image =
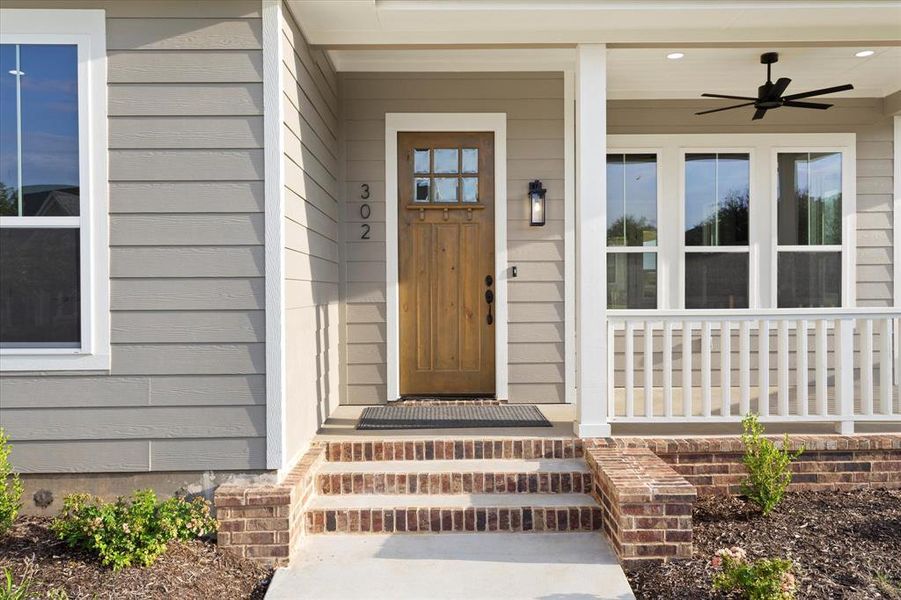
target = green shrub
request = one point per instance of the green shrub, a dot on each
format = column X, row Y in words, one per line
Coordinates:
column 130, row 531
column 768, row 472
column 763, row 579
column 10, row 487
column 9, row 590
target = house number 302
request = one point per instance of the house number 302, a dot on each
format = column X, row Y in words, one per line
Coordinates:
column 365, row 211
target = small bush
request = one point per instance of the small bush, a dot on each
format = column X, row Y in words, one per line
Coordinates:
column 10, row 487
column 130, row 531
column 768, row 473
column 764, row 579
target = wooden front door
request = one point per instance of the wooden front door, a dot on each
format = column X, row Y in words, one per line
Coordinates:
column 446, row 272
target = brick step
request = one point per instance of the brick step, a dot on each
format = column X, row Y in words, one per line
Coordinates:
column 488, row 476
column 462, row 448
column 452, row 513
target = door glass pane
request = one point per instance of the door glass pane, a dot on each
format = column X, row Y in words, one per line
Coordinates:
column 470, row 160
column 632, row 280
column 40, row 303
column 631, row 200
column 809, row 279
column 810, row 198
column 421, row 189
column 446, row 160
column 445, row 189
column 39, row 88
column 470, row 189
column 421, row 161
column 716, row 280
column 717, row 194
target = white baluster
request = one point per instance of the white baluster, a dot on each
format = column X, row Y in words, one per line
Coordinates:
column 744, row 367
column 821, row 374
column 885, row 366
column 801, row 369
column 763, row 368
column 668, row 368
column 648, row 369
column 866, row 367
column 726, row 367
column 630, row 374
column 844, row 375
column 782, row 368
column 705, row 368
column 611, row 354
column 686, row 368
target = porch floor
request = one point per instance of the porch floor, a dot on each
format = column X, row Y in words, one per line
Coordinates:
column 496, row 565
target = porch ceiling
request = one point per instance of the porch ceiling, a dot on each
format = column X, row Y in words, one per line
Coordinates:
column 394, row 22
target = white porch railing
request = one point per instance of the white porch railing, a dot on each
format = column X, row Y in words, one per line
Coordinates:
column 827, row 365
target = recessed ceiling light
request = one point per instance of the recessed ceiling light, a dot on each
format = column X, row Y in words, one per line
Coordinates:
column 864, row 53
column 675, row 55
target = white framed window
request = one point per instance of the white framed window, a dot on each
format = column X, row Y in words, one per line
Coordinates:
column 54, row 256
column 633, row 192
column 750, row 220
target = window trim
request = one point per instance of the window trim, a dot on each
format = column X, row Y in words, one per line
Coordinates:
column 87, row 30
column 763, row 244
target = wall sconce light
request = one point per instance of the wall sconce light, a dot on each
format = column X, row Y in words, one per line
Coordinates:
column 536, row 203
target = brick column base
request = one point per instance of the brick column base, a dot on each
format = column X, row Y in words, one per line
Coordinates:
column 264, row 521
column 646, row 505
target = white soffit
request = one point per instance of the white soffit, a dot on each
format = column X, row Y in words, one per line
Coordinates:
column 379, row 22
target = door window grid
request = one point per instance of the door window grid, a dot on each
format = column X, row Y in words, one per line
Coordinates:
column 446, row 175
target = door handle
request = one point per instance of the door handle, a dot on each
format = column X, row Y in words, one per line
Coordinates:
column 489, row 299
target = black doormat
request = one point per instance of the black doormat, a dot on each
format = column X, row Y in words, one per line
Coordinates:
column 455, row 416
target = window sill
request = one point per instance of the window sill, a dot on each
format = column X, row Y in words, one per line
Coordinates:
column 11, row 363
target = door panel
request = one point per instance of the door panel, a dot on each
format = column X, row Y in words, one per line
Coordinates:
column 446, row 251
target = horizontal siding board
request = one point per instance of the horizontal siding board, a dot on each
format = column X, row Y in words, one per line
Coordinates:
column 308, row 241
column 81, row 456
column 201, row 66
column 514, row 107
column 187, row 294
column 178, row 34
column 208, row 454
column 71, row 391
column 303, row 294
column 174, row 99
column 181, row 230
column 185, row 165
column 203, row 390
column 185, row 132
column 321, row 72
column 136, row 423
column 180, row 261
column 186, row 197
column 188, row 359
column 135, row 327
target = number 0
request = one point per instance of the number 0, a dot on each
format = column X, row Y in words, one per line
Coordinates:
column 365, row 211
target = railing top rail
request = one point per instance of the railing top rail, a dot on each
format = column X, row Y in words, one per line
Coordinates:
column 744, row 314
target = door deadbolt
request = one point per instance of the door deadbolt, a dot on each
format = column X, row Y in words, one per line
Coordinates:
column 489, row 280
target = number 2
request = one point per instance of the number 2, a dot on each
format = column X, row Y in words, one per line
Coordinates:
column 365, row 231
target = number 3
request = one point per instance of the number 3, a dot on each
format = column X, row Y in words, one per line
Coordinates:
column 364, row 193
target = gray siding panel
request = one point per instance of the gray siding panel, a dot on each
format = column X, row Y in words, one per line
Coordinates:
column 186, row 390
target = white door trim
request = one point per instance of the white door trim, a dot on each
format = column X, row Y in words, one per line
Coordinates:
column 494, row 122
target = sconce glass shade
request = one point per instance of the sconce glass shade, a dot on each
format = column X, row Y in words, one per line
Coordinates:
column 536, row 204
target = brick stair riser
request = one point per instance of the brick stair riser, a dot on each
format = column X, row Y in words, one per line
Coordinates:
column 452, row 450
column 454, row 520
column 453, row 483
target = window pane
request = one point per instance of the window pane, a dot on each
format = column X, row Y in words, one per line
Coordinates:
column 9, row 165
column 717, row 193
column 49, row 116
column 470, row 189
column 716, row 280
column 40, row 302
column 445, row 189
column 809, row 279
column 810, row 198
column 421, row 189
column 632, row 280
column 446, row 160
column 421, row 161
column 631, row 200
column 470, row 160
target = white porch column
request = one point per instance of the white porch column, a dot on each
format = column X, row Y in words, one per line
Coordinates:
column 591, row 252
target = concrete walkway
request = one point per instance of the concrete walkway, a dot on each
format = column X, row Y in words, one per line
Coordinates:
column 553, row 566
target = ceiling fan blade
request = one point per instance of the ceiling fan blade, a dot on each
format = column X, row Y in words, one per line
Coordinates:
column 831, row 90
column 779, row 87
column 728, row 97
column 758, row 114
column 707, row 112
column 796, row 104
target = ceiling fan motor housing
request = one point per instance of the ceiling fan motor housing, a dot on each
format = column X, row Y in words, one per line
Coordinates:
column 768, row 58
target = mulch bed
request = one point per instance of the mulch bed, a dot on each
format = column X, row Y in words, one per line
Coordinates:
column 844, row 545
column 186, row 570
